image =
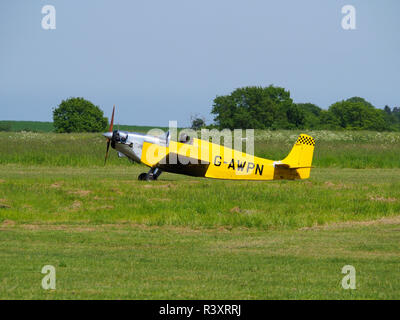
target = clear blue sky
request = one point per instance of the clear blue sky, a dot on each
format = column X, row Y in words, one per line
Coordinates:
column 161, row 60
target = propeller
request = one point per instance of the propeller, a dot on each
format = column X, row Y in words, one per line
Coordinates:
column 108, row 136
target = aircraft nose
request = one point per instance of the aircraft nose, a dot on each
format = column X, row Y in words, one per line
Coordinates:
column 108, row 135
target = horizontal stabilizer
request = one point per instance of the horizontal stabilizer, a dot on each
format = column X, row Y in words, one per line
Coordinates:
column 288, row 166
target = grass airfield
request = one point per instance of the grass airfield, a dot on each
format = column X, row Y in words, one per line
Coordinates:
column 123, row 261
column 113, row 237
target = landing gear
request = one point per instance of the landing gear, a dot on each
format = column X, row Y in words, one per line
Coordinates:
column 142, row 176
column 152, row 175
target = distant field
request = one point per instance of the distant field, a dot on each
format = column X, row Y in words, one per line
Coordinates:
column 42, row 126
column 333, row 149
column 34, row 126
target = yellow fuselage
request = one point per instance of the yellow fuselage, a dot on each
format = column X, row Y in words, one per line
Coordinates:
column 206, row 159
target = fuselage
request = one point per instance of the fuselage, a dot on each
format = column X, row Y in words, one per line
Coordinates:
column 130, row 144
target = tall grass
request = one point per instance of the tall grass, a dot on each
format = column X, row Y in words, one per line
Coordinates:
column 342, row 149
column 333, row 149
column 113, row 195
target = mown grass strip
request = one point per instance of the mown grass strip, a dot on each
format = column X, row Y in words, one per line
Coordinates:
column 133, row 262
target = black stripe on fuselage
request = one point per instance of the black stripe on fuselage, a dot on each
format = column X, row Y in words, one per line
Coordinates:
column 191, row 167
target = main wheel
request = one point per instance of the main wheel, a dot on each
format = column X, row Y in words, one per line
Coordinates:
column 150, row 177
column 142, row 176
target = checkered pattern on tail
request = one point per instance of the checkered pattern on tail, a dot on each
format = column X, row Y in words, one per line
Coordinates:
column 307, row 140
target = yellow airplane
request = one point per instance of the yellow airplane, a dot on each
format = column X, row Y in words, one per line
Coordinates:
column 200, row 158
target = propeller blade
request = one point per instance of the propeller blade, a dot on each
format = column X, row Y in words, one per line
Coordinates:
column 112, row 120
column 109, row 130
column 108, row 147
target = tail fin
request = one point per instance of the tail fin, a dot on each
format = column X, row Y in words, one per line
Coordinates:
column 300, row 157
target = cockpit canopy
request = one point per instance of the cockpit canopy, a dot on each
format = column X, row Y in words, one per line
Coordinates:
column 120, row 136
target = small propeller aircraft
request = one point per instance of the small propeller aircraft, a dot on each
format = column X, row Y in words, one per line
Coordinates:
column 200, row 158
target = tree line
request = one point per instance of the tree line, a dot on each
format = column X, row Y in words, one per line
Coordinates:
column 251, row 108
column 272, row 108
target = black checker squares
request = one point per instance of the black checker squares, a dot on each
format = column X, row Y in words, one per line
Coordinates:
column 307, row 140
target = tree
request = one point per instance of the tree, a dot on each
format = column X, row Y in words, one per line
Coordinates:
column 392, row 118
column 358, row 115
column 78, row 115
column 328, row 121
column 257, row 108
column 361, row 100
column 197, row 122
column 388, row 110
column 396, row 113
column 5, row 126
column 272, row 108
column 312, row 115
column 296, row 117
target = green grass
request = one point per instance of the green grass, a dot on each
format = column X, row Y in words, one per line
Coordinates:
column 133, row 262
column 333, row 149
column 34, row 126
column 140, row 129
column 113, row 194
column 112, row 236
